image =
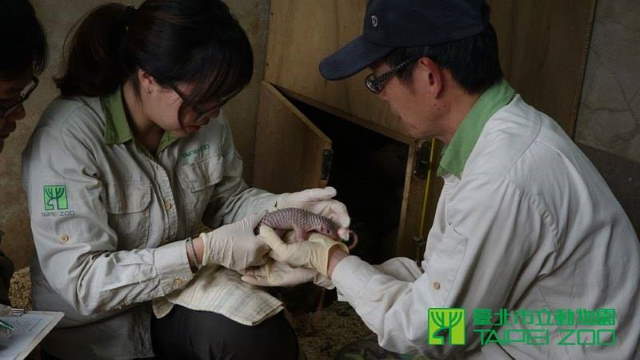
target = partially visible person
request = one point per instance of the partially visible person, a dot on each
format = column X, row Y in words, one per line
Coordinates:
column 23, row 58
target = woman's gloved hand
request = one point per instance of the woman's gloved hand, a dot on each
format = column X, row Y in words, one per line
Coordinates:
column 235, row 246
column 321, row 202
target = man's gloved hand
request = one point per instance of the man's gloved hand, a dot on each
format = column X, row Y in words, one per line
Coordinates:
column 321, row 202
column 235, row 246
column 313, row 253
column 276, row 273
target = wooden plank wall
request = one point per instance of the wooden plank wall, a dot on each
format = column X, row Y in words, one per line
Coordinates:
column 288, row 146
column 301, row 34
column 543, row 50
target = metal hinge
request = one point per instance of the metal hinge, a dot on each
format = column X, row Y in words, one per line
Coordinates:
column 420, row 241
column 421, row 169
column 327, row 159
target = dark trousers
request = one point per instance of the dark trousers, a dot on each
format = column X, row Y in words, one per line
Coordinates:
column 187, row 334
column 200, row 335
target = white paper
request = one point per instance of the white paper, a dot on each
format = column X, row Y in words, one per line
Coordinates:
column 30, row 329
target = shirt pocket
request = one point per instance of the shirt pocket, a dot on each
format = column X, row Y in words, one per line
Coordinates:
column 446, row 254
column 199, row 180
column 129, row 214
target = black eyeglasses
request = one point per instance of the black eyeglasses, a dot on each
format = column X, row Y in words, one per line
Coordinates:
column 6, row 110
column 376, row 84
column 201, row 112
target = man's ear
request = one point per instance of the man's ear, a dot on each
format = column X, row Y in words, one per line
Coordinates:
column 431, row 76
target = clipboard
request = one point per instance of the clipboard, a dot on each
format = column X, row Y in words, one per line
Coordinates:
column 30, row 329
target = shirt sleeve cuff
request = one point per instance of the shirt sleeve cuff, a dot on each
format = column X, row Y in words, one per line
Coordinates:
column 351, row 276
column 172, row 265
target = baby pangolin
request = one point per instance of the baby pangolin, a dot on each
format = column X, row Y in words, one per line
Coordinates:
column 303, row 222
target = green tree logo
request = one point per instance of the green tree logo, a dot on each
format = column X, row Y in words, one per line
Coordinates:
column 446, row 326
column 55, row 197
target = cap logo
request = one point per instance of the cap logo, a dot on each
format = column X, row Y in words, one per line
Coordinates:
column 374, row 21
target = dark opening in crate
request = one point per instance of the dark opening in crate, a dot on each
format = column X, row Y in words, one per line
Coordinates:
column 368, row 169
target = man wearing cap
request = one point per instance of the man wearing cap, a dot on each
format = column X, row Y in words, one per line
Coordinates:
column 524, row 222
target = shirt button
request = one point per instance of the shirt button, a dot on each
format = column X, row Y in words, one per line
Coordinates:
column 436, row 285
column 64, row 238
column 178, row 282
column 168, row 205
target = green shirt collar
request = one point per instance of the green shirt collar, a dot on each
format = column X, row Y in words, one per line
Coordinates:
column 117, row 129
column 167, row 139
column 465, row 138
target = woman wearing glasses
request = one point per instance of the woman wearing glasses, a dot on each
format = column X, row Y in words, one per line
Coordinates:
column 122, row 172
column 23, row 57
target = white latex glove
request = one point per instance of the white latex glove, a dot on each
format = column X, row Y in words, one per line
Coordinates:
column 235, row 246
column 313, row 253
column 276, row 273
column 321, row 202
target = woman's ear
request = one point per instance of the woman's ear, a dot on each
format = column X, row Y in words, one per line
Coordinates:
column 147, row 82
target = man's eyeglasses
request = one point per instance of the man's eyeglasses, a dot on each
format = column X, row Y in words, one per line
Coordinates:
column 376, row 84
column 6, row 110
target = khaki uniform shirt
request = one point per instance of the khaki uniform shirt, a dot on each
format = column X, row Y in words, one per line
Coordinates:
column 109, row 220
column 524, row 224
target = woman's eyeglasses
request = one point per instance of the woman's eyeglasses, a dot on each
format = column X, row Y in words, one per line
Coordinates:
column 199, row 111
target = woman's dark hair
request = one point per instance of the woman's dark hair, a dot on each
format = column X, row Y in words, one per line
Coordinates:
column 24, row 46
column 474, row 62
column 197, row 42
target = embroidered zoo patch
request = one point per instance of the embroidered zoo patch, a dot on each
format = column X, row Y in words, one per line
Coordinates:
column 55, row 197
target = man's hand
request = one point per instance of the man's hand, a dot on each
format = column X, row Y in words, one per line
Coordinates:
column 276, row 273
column 313, row 253
column 321, row 202
column 234, row 246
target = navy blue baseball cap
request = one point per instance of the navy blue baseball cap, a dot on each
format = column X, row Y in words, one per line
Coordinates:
column 392, row 24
